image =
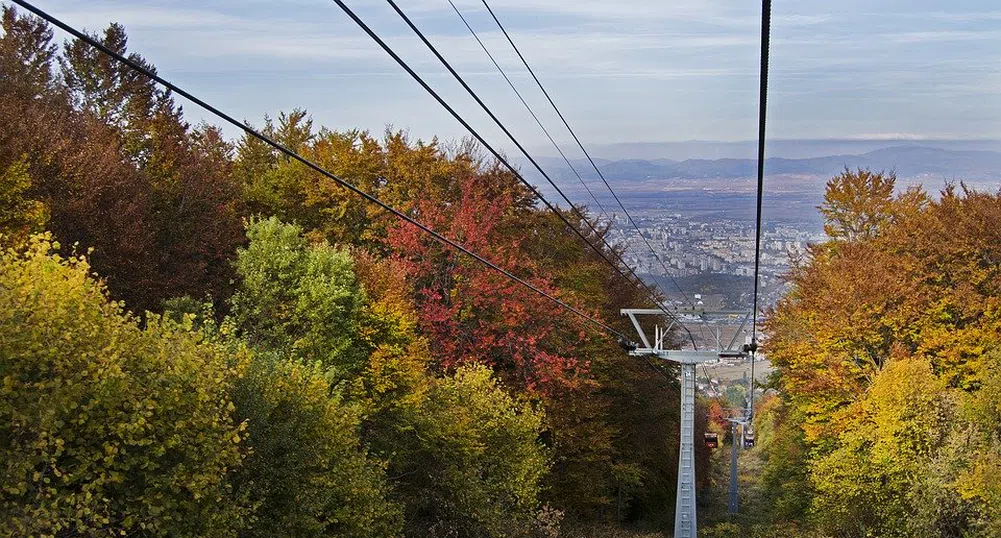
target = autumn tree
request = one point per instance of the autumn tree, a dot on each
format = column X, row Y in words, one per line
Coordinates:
column 785, row 479
column 477, row 315
column 119, row 169
column 111, row 429
column 28, row 54
column 857, row 203
column 888, row 328
column 863, row 486
column 186, row 171
column 395, row 169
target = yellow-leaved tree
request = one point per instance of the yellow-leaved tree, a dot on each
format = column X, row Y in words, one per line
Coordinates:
column 883, row 347
column 110, row 428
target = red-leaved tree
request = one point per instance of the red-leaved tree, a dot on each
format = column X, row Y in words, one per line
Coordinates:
column 474, row 314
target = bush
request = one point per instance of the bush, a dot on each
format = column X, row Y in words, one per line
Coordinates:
column 476, row 471
column 114, row 429
column 306, row 471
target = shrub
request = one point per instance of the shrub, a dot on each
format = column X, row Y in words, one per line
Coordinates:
column 113, row 429
column 478, row 466
column 306, row 472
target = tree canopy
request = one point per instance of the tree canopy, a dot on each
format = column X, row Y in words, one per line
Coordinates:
column 887, row 352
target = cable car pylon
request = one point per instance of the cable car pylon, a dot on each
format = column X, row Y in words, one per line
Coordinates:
column 734, row 496
column 685, row 513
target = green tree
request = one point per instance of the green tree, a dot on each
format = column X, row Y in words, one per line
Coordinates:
column 298, row 299
column 306, row 471
column 476, row 468
column 112, row 429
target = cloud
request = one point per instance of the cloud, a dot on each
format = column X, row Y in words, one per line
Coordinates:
column 625, row 68
column 709, row 11
column 202, row 35
column 891, row 136
column 99, row 14
column 940, row 36
column 963, row 17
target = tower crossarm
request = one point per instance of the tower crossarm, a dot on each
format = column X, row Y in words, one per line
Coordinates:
column 655, row 345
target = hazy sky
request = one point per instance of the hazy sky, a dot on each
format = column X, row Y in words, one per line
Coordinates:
column 622, row 70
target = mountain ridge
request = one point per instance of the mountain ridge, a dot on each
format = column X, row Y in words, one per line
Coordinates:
column 906, row 161
column 776, row 147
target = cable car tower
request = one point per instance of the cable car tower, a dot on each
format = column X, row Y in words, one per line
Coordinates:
column 685, row 522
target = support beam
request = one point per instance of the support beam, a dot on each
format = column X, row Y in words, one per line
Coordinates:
column 743, row 321
column 683, row 356
column 734, row 500
column 685, row 517
column 640, row 331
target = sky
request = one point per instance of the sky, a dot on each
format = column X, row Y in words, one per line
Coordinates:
column 622, row 71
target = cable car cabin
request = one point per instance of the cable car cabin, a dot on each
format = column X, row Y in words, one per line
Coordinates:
column 712, row 440
column 749, row 440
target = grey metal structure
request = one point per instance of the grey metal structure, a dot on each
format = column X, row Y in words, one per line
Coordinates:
column 685, row 514
column 737, row 424
column 734, row 499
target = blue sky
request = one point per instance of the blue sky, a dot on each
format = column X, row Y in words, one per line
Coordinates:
column 623, row 71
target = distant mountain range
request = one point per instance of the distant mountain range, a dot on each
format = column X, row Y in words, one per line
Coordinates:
column 785, row 148
column 910, row 161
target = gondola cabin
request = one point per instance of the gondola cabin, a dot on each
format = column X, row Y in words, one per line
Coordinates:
column 749, row 440
column 712, row 440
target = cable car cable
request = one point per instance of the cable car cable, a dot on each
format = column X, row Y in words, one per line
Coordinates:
column 448, row 66
column 315, row 167
column 587, row 154
column 483, row 105
column 529, row 108
column 766, row 15
column 368, row 30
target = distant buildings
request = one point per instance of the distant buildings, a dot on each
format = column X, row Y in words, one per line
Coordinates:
column 699, row 246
